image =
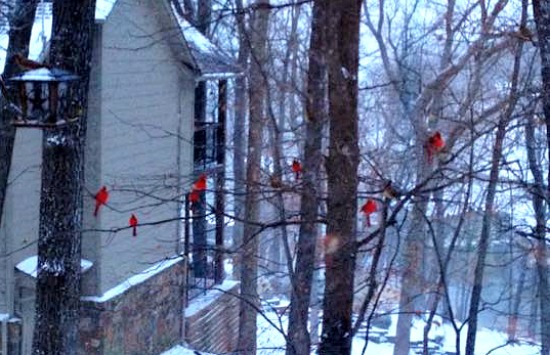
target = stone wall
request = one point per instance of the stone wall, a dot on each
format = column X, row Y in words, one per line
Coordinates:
column 145, row 319
column 212, row 320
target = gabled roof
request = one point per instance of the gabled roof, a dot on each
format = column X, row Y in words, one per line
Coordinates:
column 208, row 60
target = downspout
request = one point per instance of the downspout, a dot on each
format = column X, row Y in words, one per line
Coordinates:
column 180, row 238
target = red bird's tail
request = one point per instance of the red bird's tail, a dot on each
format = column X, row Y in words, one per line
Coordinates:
column 296, row 168
column 101, row 198
column 133, row 223
column 194, row 196
column 429, row 154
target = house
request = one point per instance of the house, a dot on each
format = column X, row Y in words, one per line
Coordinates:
column 141, row 127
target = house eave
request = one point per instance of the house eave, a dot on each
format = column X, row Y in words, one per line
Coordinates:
column 218, row 76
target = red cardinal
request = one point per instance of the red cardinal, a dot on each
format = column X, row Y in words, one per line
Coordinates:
column 434, row 145
column 27, row 64
column 133, row 221
column 194, row 196
column 369, row 208
column 101, row 198
column 296, row 168
column 200, row 184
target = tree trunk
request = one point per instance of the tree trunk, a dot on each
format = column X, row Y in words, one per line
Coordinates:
column 59, row 242
column 541, row 11
column 488, row 212
column 239, row 139
column 19, row 37
column 342, row 63
column 200, row 239
column 249, row 267
column 298, row 335
column 541, row 250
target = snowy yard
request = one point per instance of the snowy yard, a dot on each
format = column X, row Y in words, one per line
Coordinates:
column 271, row 341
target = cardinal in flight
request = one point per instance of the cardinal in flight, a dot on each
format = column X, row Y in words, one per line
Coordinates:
column 434, row 145
column 101, row 198
column 369, row 208
column 133, row 222
column 296, row 168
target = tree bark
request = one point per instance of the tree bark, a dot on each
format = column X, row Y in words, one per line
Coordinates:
column 19, row 37
column 239, row 137
column 200, row 239
column 541, row 11
column 342, row 63
column 298, row 335
column 249, row 267
column 59, row 242
column 488, row 212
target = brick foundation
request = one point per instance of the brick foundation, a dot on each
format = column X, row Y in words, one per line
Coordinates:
column 14, row 336
column 214, row 327
column 146, row 319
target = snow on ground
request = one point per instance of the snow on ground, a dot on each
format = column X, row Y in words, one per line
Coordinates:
column 272, row 342
column 180, row 350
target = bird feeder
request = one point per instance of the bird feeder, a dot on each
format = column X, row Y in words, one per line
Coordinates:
column 45, row 98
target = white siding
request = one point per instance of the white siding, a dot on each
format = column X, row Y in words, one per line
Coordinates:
column 145, row 91
column 19, row 229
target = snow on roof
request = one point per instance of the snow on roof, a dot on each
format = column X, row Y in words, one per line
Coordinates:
column 202, row 302
column 29, row 265
column 210, row 60
column 45, row 74
column 180, row 350
column 133, row 281
column 103, row 8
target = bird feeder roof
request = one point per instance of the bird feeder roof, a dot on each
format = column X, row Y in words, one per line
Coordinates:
column 45, row 75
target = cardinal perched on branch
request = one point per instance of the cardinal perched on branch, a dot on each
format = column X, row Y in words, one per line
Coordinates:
column 434, row 145
column 369, row 208
column 28, row 64
column 200, row 184
column 296, row 168
column 133, row 222
column 101, row 198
